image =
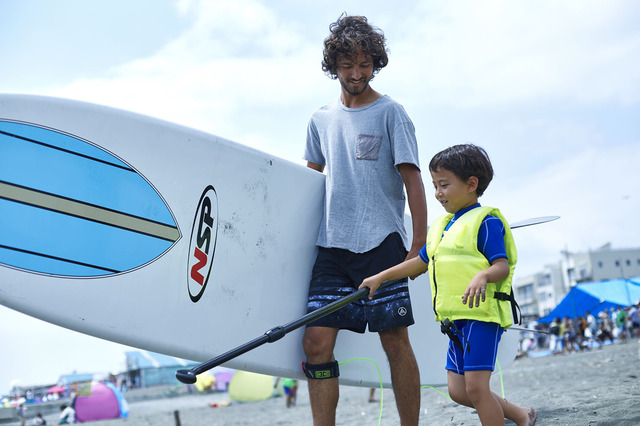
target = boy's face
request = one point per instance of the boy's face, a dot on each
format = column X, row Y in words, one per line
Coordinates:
column 452, row 192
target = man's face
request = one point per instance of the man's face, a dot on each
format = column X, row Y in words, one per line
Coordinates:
column 354, row 75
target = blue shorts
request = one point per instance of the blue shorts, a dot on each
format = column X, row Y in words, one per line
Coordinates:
column 483, row 338
column 338, row 273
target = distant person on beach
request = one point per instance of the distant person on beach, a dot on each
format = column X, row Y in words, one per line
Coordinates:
column 470, row 254
column 621, row 322
column 67, row 416
column 605, row 328
column 570, row 335
column 39, row 420
column 290, row 387
column 556, row 343
column 635, row 320
column 367, row 144
column 21, row 411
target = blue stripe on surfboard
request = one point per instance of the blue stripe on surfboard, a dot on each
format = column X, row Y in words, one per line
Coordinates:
column 50, row 264
column 59, row 140
column 77, row 170
column 48, row 242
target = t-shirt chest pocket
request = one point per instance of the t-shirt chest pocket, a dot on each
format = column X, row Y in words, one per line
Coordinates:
column 368, row 147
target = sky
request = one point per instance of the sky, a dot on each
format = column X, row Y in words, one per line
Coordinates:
column 551, row 89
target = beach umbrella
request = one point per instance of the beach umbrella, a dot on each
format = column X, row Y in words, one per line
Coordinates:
column 56, row 389
column 103, row 401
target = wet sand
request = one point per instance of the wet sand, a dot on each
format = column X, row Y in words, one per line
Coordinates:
column 596, row 387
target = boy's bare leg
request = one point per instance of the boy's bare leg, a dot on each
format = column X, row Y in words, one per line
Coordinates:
column 459, row 392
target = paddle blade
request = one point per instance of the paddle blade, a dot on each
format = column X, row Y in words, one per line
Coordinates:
column 533, row 221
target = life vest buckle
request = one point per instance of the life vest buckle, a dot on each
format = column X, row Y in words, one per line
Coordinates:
column 449, row 328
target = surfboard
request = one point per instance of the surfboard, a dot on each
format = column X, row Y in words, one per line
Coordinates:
column 173, row 240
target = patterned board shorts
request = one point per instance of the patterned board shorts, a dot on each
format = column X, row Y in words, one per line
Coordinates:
column 338, row 273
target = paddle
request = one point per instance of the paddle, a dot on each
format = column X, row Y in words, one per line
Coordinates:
column 277, row 333
column 533, row 221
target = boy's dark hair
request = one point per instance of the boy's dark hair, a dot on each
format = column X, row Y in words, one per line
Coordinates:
column 348, row 35
column 465, row 161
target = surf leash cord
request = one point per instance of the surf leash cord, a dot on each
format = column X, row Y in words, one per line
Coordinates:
column 274, row 334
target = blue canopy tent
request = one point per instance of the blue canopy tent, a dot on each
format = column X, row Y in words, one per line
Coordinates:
column 595, row 297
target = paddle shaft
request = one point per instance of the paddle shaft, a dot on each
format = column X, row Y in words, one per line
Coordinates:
column 276, row 333
column 529, row 329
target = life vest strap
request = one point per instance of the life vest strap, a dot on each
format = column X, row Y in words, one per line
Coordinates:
column 447, row 327
column 514, row 305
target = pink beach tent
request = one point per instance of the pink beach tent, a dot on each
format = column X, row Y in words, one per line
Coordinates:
column 104, row 402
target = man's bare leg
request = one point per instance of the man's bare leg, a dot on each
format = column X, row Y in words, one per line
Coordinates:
column 405, row 377
column 318, row 343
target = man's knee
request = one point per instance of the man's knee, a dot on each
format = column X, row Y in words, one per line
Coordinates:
column 318, row 344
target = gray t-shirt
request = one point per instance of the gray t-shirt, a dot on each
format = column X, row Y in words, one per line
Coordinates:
column 361, row 149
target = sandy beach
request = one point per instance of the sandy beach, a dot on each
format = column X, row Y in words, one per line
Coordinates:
column 596, row 387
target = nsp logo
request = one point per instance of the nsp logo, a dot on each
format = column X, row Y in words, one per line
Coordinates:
column 202, row 247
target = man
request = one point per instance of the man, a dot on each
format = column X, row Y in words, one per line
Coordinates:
column 366, row 142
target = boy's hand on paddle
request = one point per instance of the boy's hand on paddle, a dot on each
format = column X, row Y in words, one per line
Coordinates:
column 372, row 283
column 475, row 290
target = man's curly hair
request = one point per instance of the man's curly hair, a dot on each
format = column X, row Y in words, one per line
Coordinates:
column 348, row 35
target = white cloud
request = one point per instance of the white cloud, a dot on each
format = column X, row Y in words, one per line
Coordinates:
column 495, row 52
column 236, row 63
column 595, row 193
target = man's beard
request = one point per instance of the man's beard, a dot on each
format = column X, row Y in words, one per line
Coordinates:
column 355, row 92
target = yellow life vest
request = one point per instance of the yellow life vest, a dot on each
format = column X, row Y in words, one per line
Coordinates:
column 454, row 259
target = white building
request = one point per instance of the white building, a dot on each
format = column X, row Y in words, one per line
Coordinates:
column 602, row 264
column 539, row 293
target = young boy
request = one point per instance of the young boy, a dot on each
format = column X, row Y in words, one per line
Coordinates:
column 470, row 255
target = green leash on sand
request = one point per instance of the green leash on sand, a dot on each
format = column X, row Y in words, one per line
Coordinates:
column 379, row 376
column 501, row 381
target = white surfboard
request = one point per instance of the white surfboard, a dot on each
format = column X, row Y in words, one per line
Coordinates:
column 169, row 239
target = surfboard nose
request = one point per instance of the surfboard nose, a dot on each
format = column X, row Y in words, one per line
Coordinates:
column 71, row 208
